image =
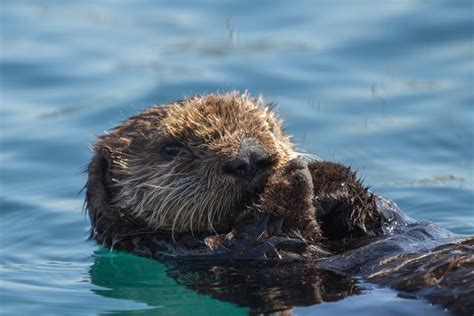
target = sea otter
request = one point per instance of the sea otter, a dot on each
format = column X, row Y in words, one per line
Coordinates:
column 216, row 177
column 207, row 164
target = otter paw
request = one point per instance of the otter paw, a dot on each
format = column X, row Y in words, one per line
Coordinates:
column 294, row 164
column 297, row 174
column 289, row 192
column 289, row 196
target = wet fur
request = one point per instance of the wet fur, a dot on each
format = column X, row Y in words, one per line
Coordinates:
column 131, row 191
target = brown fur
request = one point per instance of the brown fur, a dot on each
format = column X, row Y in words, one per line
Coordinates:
column 344, row 205
column 133, row 187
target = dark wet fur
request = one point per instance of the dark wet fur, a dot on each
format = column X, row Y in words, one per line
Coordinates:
column 345, row 207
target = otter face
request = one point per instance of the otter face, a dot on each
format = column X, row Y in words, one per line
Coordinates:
column 191, row 165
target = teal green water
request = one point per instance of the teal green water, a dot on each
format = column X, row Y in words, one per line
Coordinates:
column 385, row 86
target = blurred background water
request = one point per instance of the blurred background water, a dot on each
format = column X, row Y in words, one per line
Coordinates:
column 384, row 86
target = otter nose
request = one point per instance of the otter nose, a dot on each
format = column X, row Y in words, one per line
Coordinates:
column 250, row 160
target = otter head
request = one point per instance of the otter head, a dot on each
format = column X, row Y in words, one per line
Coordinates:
column 187, row 166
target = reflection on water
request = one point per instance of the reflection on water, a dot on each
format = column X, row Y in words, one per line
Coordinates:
column 122, row 276
column 142, row 280
column 383, row 86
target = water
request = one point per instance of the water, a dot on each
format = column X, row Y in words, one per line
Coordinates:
column 383, row 86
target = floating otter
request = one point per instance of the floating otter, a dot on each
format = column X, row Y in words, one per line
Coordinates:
column 206, row 163
column 216, row 177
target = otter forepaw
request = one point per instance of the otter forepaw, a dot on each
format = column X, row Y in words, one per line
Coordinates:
column 298, row 176
column 289, row 195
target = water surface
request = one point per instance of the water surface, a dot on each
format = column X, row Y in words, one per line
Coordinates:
column 384, row 86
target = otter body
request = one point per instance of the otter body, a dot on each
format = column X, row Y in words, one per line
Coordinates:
column 216, row 177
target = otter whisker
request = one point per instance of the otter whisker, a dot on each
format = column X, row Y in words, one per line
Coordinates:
column 193, row 210
column 180, row 196
column 210, row 215
column 215, row 211
column 208, row 206
column 223, row 210
column 159, row 215
column 209, row 211
column 181, row 208
column 153, row 186
column 199, row 207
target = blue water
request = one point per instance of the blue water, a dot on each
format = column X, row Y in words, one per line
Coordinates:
column 384, row 86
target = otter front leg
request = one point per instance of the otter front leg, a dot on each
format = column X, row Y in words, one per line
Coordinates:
column 344, row 206
column 288, row 195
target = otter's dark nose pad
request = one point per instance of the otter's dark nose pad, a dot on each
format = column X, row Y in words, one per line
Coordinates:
column 250, row 160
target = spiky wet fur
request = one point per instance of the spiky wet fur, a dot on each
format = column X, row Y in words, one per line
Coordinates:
column 191, row 192
column 133, row 188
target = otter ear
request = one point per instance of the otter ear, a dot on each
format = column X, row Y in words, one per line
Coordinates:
column 97, row 187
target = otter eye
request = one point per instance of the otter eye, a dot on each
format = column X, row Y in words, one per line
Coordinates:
column 171, row 151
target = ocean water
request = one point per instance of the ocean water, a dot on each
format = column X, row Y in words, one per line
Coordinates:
column 384, row 86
